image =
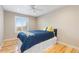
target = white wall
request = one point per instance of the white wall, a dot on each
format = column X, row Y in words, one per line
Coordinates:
column 9, row 24
column 66, row 20
column 1, row 25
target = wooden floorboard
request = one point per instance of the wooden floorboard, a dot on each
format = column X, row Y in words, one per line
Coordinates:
column 9, row 46
column 60, row 48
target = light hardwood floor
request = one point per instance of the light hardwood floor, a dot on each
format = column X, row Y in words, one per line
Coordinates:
column 9, row 46
column 60, row 48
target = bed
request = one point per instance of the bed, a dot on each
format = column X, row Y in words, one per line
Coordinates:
column 37, row 40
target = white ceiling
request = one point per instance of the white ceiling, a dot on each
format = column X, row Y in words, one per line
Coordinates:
column 26, row 9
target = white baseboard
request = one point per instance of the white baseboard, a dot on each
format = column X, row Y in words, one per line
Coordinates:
column 72, row 46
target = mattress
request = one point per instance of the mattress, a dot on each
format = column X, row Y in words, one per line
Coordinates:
column 39, row 48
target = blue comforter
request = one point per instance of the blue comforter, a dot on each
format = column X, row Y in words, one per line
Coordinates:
column 31, row 40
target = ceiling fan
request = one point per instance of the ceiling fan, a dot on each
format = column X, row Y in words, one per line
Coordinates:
column 35, row 9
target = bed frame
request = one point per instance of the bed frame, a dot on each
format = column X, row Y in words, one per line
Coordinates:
column 55, row 31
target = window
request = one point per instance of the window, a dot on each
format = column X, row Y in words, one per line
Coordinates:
column 21, row 24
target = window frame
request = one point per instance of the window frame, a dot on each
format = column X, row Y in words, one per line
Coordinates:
column 27, row 25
